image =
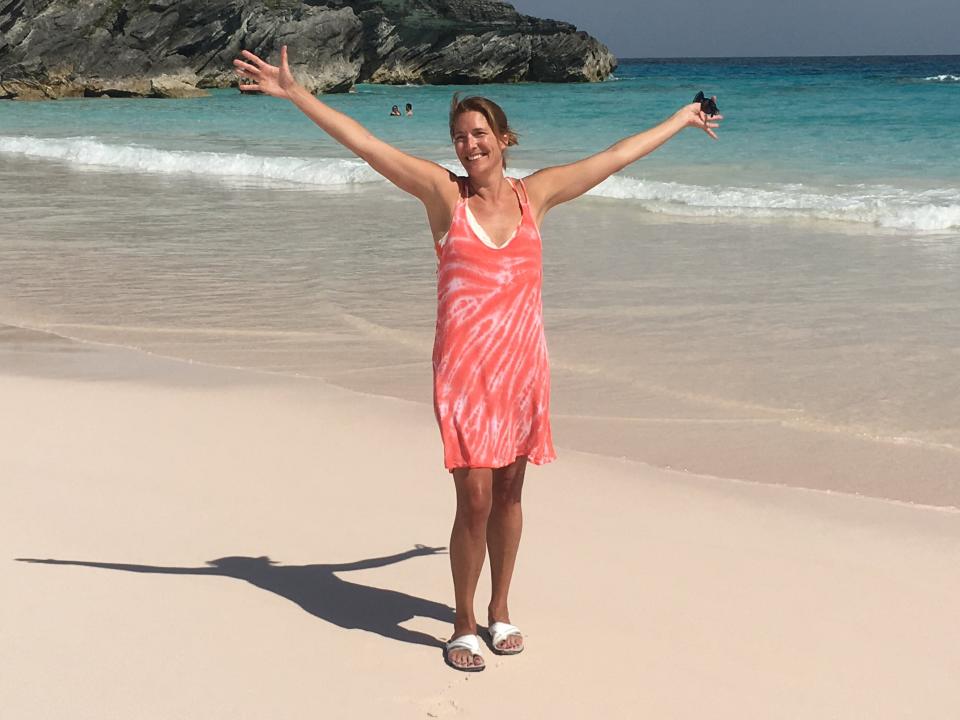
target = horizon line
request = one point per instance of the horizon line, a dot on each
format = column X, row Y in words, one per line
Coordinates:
column 781, row 57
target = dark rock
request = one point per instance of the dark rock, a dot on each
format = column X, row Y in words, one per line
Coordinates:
column 170, row 48
column 476, row 41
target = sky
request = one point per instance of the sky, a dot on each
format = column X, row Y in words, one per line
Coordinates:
column 742, row 28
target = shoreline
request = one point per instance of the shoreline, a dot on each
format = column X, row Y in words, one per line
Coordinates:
column 567, row 424
column 144, row 489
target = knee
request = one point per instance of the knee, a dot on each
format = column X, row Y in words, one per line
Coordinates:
column 508, row 486
column 507, row 494
column 474, row 502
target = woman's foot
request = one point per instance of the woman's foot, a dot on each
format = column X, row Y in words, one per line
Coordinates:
column 508, row 641
column 463, row 653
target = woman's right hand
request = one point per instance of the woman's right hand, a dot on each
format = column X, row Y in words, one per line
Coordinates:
column 267, row 78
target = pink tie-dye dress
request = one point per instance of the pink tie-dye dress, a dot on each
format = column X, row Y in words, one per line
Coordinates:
column 491, row 377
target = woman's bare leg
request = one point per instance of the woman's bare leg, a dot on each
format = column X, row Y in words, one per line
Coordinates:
column 468, row 547
column 503, row 540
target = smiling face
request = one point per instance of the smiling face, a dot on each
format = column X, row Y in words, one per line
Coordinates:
column 478, row 148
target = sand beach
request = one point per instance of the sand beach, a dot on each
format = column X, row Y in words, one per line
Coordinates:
column 196, row 542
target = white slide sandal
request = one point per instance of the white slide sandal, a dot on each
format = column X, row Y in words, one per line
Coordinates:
column 470, row 643
column 500, row 631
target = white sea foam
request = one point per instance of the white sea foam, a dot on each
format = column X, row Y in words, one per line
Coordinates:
column 943, row 78
column 876, row 205
column 87, row 151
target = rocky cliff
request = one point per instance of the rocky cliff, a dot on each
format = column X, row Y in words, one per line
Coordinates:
column 171, row 48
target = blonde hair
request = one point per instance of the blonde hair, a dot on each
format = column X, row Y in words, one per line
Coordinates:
column 494, row 114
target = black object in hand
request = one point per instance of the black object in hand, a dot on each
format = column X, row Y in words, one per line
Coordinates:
column 707, row 105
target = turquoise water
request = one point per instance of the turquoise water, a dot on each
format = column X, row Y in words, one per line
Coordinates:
column 782, row 305
column 871, row 141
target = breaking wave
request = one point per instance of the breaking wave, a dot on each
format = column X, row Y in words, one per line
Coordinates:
column 877, row 205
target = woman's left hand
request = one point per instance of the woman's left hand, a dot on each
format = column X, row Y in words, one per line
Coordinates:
column 693, row 116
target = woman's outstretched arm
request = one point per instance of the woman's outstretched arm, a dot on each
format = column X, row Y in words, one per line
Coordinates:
column 554, row 185
column 424, row 179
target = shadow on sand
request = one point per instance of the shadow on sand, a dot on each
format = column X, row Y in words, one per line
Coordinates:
column 318, row 590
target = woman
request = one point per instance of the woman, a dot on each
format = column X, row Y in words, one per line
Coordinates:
column 491, row 379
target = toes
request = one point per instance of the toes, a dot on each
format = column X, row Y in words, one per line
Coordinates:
column 463, row 658
column 510, row 643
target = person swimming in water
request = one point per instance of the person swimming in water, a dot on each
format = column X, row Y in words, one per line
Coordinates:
column 490, row 369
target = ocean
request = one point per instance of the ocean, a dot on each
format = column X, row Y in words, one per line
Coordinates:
column 782, row 305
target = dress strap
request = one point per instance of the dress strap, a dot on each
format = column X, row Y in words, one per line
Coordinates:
column 521, row 190
column 463, row 189
column 528, row 212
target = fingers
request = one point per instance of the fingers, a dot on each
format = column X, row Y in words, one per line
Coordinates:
column 707, row 123
column 283, row 58
column 245, row 69
column 252, row 58
column 249, row 87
